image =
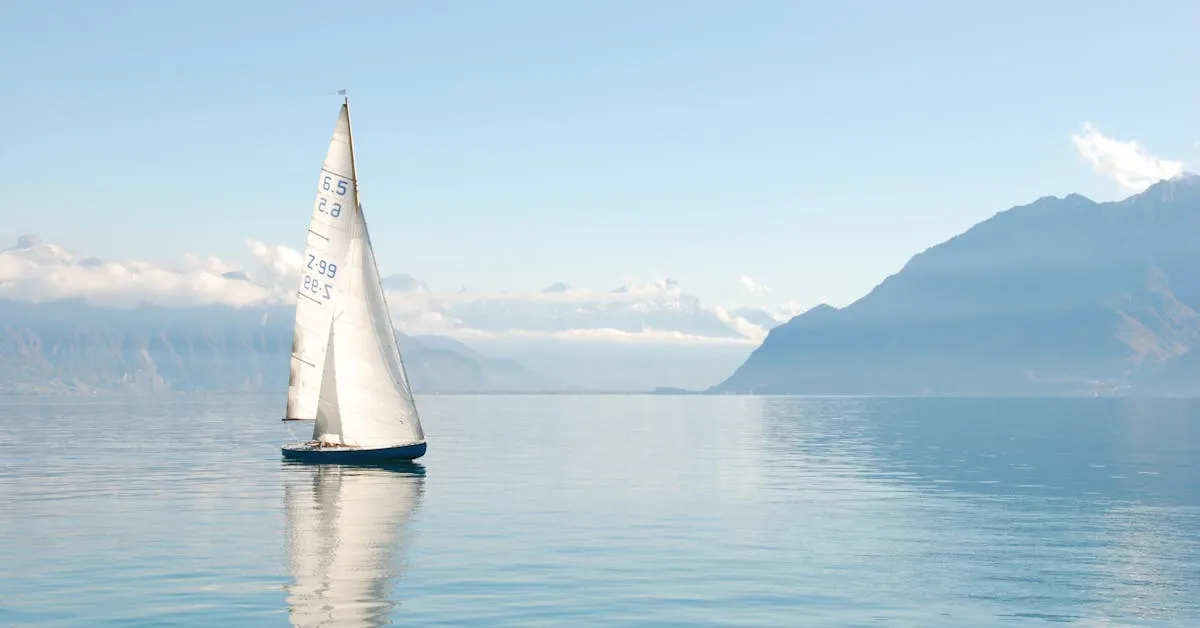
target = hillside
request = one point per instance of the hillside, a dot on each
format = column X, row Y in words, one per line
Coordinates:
column 70, row 346
column 1061, row 296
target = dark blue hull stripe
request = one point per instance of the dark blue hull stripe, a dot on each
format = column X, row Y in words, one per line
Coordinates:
column 350, row 456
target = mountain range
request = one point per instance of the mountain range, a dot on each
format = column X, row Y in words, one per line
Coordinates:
column 1063, row 296
column 76, row 347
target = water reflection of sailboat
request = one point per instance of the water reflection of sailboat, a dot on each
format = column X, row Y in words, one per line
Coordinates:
column 346, row 529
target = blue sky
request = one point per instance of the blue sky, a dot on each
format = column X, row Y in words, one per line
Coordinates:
column 505, row 146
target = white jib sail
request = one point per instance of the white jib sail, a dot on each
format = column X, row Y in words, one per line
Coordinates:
column 363, row 397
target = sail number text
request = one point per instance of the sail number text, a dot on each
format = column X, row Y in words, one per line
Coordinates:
column 317, row 287
column 334, row 210
column 322, row 267
column 328, row 185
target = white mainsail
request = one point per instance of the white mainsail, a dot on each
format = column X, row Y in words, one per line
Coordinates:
column 346, row 527
column 346, row 373
column 328, row 242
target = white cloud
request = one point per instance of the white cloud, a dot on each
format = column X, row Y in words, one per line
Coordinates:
column 655, row 312
column 787, row 311
column 39, row 271
column 752, row 286
column 279, row 262
column 743, row 326
column 1126, row 162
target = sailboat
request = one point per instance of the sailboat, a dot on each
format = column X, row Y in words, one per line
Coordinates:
column 347, row 539
column 347, row 375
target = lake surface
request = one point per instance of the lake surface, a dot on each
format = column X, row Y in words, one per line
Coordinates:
column 606, row 511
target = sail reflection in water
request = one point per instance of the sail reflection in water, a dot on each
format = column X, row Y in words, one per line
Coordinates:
column 346, row 538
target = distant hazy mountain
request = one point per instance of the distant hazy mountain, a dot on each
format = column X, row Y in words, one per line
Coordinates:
column 603, row 365
column 1061, row 296
column 403, row 282
column 73, row 346
column 443, row 364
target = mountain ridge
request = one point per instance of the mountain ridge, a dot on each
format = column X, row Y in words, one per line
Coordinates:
column 72, row 346
column 1063, row 295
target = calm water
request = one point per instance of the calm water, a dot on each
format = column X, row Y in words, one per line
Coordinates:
column 608, row 510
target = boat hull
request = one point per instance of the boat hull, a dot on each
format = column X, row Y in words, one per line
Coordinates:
column 351, row 455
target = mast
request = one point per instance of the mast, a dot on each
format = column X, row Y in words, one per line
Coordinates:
column 350, row 134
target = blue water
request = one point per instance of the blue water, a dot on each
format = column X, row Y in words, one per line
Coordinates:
column 607, row 511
